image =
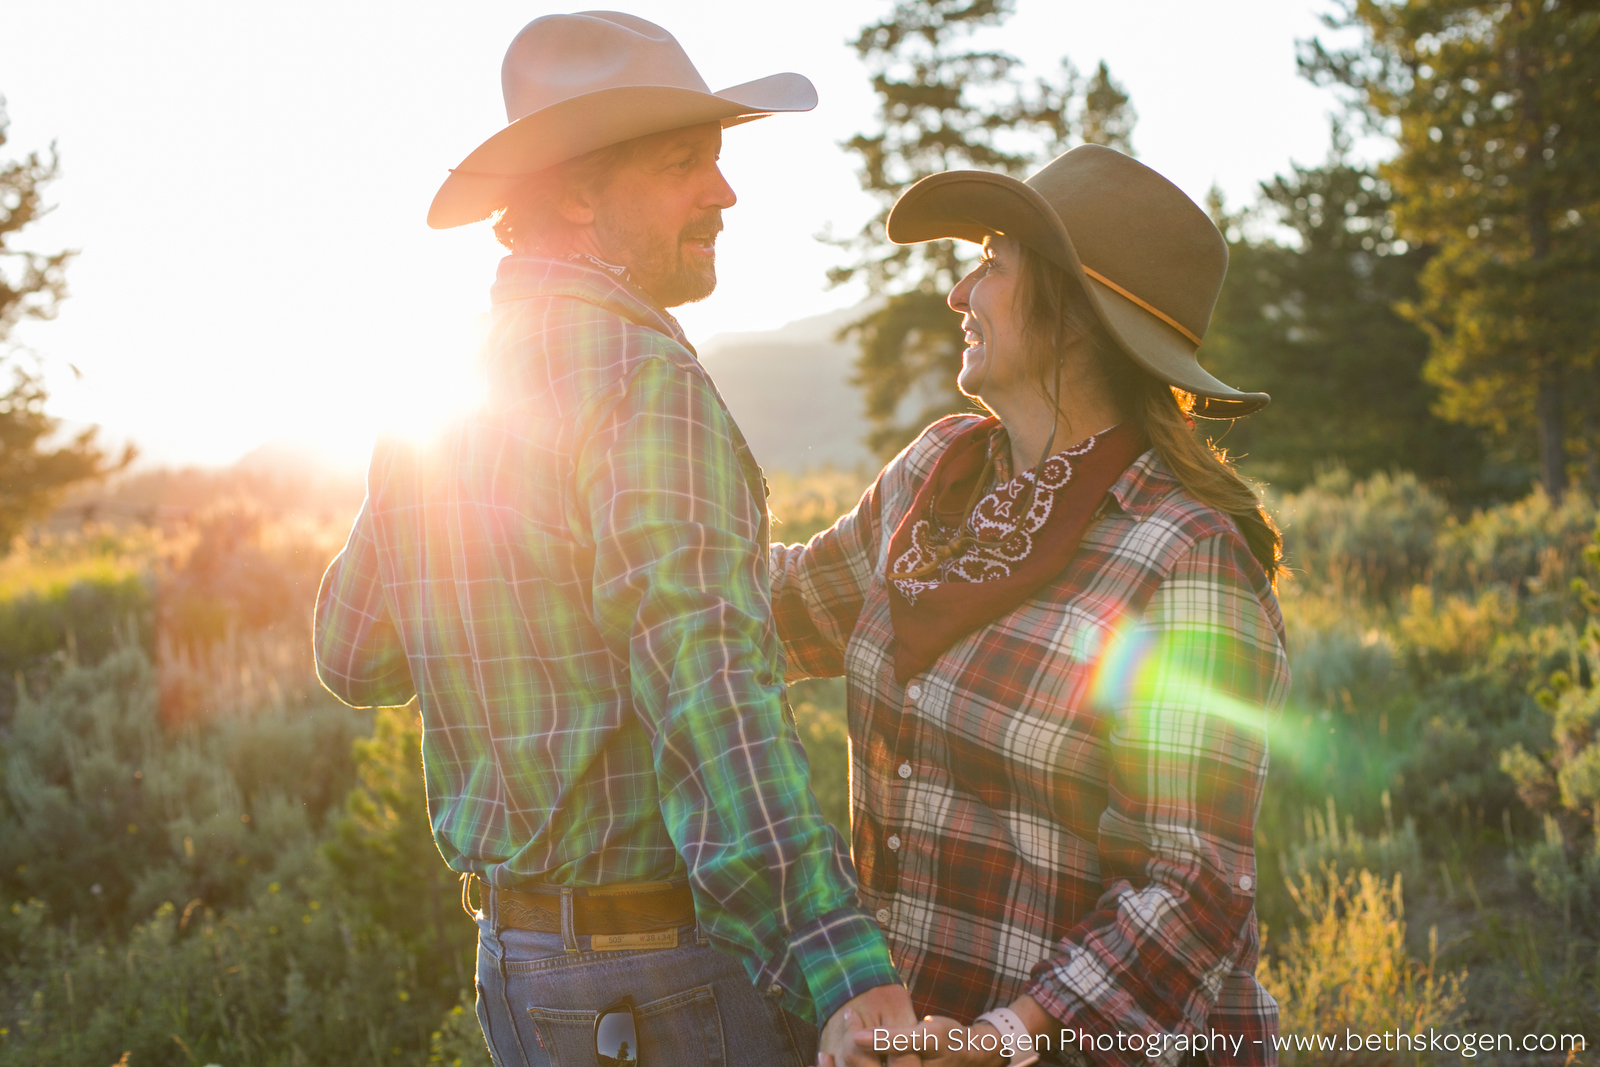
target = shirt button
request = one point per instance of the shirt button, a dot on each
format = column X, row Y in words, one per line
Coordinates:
column 905, row 770
column 914, row 693
column 883, row 915
column 775, row 990
column 893, row 842
column 1245, row 882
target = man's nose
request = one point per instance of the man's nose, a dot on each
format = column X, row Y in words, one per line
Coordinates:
column 718, row 193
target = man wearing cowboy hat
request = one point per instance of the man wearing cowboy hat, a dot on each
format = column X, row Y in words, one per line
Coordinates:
column 573, row 582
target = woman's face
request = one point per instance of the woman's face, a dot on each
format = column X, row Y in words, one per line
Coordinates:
column 994, row 366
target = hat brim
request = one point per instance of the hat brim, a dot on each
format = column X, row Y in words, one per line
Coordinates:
column 971, row 205
column 484, row 181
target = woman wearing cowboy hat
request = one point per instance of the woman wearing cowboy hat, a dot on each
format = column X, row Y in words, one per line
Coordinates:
column 1062, row 643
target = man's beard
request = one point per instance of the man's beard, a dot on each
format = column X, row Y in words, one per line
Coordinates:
column 656, row 261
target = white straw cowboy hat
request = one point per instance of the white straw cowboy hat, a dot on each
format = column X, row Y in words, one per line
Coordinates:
column 1149, row 258
column 576, row 83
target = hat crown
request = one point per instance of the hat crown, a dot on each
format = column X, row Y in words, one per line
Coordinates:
column 559, row 57
column 1138, row 230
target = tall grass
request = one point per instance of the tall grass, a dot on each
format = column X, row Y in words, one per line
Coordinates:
column 1347, row 968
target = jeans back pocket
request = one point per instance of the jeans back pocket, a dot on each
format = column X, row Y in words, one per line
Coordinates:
column 683, row 1030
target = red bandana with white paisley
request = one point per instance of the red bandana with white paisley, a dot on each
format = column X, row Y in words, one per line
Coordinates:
column 1015, row 554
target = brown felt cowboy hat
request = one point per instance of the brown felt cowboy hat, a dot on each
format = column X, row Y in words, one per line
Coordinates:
column 577, row 83
column 1149, row 258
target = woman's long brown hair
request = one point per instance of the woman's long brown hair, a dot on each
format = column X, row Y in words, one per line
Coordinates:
column 1058, row 312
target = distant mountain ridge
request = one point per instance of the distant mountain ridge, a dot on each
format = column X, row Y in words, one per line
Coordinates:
column 789, row 389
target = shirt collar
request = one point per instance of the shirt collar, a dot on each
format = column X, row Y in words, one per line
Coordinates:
column 616, row 270
column 586, row 278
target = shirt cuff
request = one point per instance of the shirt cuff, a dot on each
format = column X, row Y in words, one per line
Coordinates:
column 827, row 962
column 1072, row 1012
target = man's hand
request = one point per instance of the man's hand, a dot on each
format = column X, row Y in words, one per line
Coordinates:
column 882, row 1007
column 934, row 1032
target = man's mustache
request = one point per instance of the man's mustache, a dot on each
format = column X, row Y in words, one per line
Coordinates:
column 703, row 227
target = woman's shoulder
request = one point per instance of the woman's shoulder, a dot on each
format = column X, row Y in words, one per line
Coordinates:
column 1162, row 533
column 936, row 437
column 1177, row 535
column 1168, row 519
column 908, row 470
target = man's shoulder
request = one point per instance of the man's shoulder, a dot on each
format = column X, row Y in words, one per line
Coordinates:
column 643, row 357
column 583, row 348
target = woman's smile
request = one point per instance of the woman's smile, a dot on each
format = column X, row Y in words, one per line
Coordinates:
column 993, row 364
column 974, row 340
column 972, row 356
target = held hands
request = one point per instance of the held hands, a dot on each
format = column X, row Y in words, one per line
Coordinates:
column 934, row 1042
column 944, row 1042
column 882, row 1007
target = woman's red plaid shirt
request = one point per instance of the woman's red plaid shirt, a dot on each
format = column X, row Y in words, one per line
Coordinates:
column 1064, row 803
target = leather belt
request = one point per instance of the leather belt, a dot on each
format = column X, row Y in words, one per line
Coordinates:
column 613, row 909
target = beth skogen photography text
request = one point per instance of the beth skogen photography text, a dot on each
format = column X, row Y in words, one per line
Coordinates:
column 877, row 533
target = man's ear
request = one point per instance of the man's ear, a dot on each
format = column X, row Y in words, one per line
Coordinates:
column 577, row 207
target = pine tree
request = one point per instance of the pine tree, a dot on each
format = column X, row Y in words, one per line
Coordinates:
column 1495, row 106
column 1312, row 321
column 946, row 106
column 32, row 286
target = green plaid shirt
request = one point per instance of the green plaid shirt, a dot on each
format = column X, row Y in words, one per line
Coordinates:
column 573, row 582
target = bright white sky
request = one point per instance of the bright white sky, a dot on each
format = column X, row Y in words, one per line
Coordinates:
column 247, row 182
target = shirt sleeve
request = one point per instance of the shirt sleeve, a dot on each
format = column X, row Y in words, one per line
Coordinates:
column 818, row 589
column 681, row 590
column 358, row 653
column 1190, row 689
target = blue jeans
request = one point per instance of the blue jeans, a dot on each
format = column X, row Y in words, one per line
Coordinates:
column 538, row 995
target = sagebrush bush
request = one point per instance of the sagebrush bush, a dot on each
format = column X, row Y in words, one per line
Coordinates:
column 1369, row 539
column 79, row 610
column 105, row 810
column 382, row 851
column 178, row 790
column 1557, row 769
column 287, row 979
column 230, row 573
column 1529, row 546
column 1349, row 705
column 1564, row 873
column 257, row 886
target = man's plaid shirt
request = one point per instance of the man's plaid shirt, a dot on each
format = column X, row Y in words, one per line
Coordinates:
column 573, row 581
column 1064, row 803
